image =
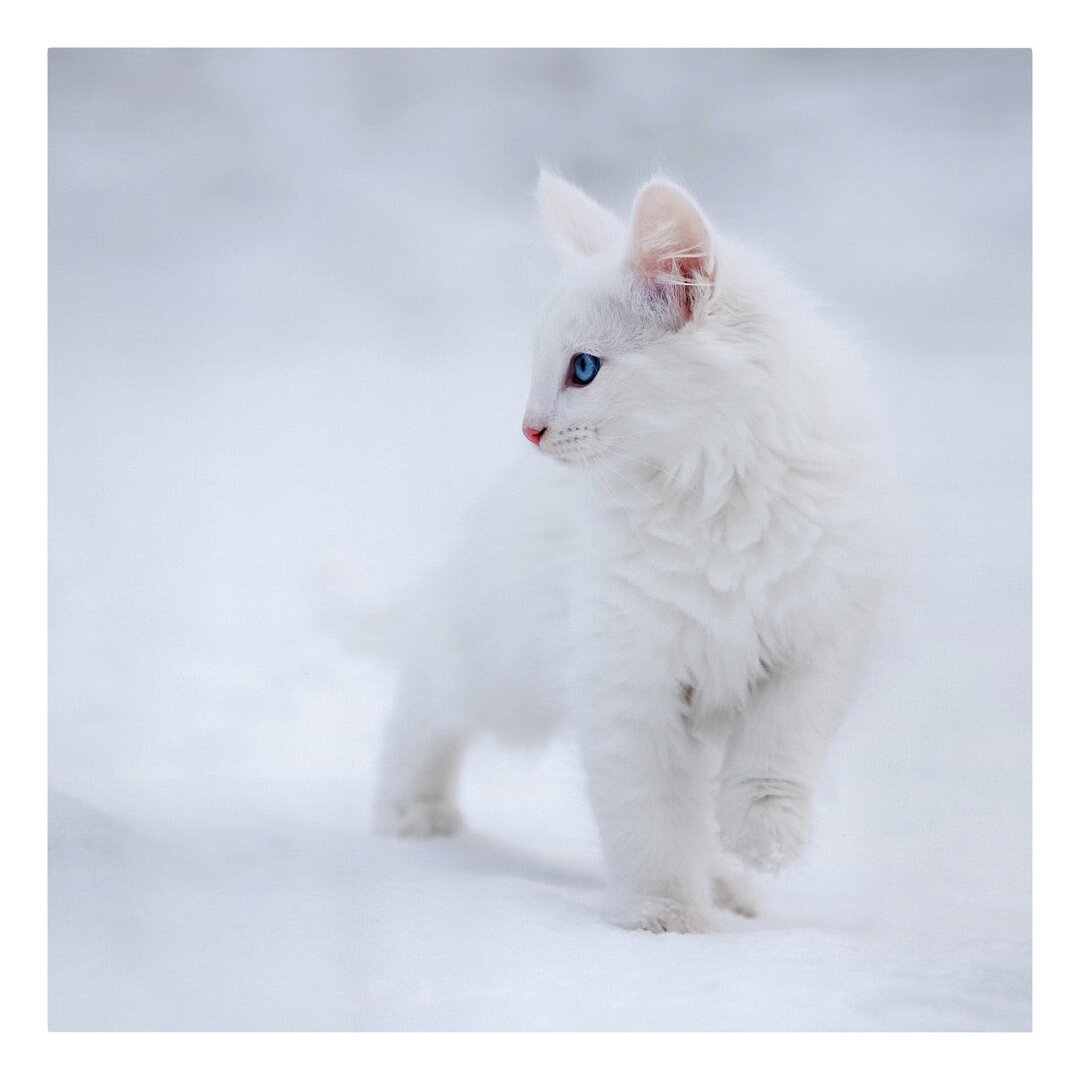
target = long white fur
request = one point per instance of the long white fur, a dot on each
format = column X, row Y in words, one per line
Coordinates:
column 686, row 569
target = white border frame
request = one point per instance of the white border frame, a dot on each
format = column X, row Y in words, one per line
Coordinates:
column 23, row 443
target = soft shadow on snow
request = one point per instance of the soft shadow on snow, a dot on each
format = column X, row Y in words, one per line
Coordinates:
column 278, row 926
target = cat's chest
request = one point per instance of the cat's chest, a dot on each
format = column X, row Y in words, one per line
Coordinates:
column 703, row 608
column 717, row 613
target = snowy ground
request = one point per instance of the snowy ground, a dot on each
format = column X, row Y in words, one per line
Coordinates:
column 290, row 310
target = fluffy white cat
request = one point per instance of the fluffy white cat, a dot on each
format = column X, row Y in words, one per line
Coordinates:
column 686, row 568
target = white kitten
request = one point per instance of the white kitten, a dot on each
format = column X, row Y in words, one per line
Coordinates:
column 686, row 568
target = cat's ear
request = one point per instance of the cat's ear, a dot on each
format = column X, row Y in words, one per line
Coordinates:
column 580, row 224
column 672, row 246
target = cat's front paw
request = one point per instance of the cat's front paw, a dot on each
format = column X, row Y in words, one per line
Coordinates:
column 658, row 915
column 766, row 822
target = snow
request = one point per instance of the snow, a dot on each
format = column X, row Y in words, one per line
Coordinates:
column 291, row 298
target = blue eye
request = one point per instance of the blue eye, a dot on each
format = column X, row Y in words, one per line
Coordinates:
column 583, row 368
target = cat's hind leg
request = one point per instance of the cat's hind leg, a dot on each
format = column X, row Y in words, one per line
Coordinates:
column 417, row 787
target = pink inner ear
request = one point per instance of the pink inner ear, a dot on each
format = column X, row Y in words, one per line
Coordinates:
column 689, row 292
column 679, row 281
column 672, row 243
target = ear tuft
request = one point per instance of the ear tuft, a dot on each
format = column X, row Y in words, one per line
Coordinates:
column 672, row 245
column 580, row 224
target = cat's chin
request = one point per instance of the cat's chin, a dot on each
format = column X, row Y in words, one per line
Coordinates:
column 571, row 461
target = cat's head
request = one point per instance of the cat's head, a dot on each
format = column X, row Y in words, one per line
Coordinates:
column 626, row 363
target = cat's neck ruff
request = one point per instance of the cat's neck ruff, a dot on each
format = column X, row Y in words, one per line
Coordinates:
column 702, row 499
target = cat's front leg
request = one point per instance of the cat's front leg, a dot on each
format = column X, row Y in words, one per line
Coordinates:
column 648, row 779
column 763, row 804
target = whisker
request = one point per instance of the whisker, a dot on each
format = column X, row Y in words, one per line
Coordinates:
column 634, row 434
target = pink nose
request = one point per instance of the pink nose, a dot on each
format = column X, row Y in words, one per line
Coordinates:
column 534, row 434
